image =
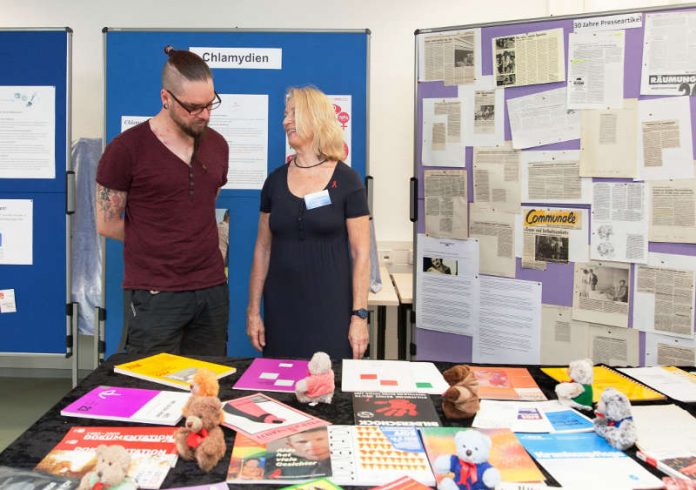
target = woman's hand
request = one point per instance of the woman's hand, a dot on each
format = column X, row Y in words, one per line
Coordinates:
column 256, row 331
column 358, row 336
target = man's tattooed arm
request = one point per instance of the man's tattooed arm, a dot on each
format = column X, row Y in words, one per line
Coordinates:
column 110, row 207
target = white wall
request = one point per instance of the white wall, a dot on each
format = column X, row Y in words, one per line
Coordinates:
column 392, row 23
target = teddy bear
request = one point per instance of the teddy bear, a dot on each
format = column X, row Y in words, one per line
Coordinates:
column 201, row 438
column 578, row 392
column 470, row 465
column 319, row 385
column 614, row 421
column 110, row 471
column 461, row 399
column 205, row 383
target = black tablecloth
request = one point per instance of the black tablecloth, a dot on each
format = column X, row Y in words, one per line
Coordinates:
column 28, row 449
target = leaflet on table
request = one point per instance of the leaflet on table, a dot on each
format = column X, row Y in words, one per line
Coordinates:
column 20, row 479
column 664, row 295
column 170, row 369
column 447, row 290
column 672, row 205
column 392, row 377
column 670, row 380
column 394, row 409
column 669, row 67
column 452, row 57
column 605, row 377
column 608, row 141
column 272, row 375
column 601, row 292
column 507, row 454
column 541, row 119
column 509, row 321
column 445, row 196
column 553, row 177
column 152, row 449
column 347, row 455
column 528, row 59
column 130, row 405
column 586, row 460
column 619, row 222
column 672, row 448
column 556, row 235
column 666, row 350
column 497, row 177
column 209, row 486
column 562, row 338
column 595, row 69
column 264, row 419
column 507, row 383
column 317, row 484
column 403, row 483
column 495, row 232
column 548, row 416
column 665, row 139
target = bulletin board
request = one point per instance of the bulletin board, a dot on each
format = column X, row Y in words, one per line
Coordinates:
column 557, row 280
column 36, row 78
column 334, row 61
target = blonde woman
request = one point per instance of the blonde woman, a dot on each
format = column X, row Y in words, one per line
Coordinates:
column 311, row 260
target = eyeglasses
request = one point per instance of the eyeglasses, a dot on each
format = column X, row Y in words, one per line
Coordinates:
column 195, row 110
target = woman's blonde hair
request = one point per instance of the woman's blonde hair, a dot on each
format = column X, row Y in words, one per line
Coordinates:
column 315, row 115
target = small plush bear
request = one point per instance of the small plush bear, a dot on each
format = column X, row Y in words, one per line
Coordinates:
column 470, row 465
column 578, row 392
column 205, row 383
column 319, row 385
column 614, row 421
column 461, row 400
column 110, row 470
column 201, row 439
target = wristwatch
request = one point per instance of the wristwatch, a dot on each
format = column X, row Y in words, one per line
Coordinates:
column 361, row 313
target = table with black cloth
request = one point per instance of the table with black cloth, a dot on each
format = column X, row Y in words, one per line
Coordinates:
column 29, row 448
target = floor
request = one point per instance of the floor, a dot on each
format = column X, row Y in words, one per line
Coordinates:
column 30, row 399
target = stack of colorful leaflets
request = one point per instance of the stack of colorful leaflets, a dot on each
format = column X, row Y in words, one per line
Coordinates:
column 264, row 419
column 605, row 377
column 347, row 455
column 586, row 460
column 170, row 370
column 392, row 377
column 152, row 449
column 548, row 416
column 18, row 479
column 272, row 375
column 670, row 380
column 129, row 405
column 318, row 484
column 394, row 409
column 507, row 383
column 666, row 439
column 507, row 454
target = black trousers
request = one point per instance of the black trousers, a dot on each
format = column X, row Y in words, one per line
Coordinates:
column 182, row 322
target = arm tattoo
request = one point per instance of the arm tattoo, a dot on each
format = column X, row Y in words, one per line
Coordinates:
column 110, row 202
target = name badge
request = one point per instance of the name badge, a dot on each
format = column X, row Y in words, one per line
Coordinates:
column 317, row 199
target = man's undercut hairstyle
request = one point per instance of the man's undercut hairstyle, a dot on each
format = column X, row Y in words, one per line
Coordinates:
column 183, row 65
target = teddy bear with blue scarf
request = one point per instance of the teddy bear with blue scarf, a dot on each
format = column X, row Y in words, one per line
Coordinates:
column 469, row 466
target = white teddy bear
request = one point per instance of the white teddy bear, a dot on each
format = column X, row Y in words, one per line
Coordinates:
column 470, row 465
column 614, row 421
column 578, row 392
column 319, row 385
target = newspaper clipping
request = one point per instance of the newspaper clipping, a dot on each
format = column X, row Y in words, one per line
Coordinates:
column 496, row 234
column 554, row 177
column 665, row 350
column 547, row 236
column 529, row 59
column 451, row 58
column 672, row 211
column 614, row 346
column 497, row 178
column 601, row 293
column 671, row 291
column 446, row 203
column 484, row 112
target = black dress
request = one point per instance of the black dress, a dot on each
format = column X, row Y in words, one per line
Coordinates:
column 308, row 294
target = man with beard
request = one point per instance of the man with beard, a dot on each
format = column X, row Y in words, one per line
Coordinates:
column 156, row 189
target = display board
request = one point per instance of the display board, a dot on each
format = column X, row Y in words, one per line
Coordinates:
column 334, row 61
column 35, row 191
column 554, row 167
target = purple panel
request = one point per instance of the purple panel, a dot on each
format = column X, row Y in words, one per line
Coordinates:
column 633, row 54
column 673, row 248
column 441, row 346
column 556, row 282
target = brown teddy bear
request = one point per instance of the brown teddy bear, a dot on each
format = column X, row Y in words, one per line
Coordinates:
column 201, row 438
column 461, row 400
column 110, row 470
